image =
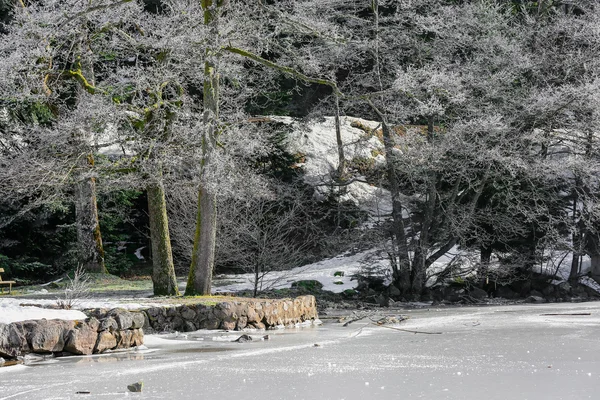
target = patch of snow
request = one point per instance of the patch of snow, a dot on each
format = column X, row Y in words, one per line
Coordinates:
column 317, row 142
column 11, row 311
column 589, row 282
column 322, row 271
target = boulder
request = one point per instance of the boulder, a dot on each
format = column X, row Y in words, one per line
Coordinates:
column 189, row 326
column 48, row 336
column 477, row 293
column 13, row 341
column 106, row 341
column 108, row 324
column 187, row 313
column 310, row 285
column 394, row 292
column 505, row 292
column 535, row 299
column 123, row 318
column 81, row 339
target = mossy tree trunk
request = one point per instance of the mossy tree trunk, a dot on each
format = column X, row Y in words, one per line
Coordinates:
column 203, row 253
column 89, row 239
column 163, row 270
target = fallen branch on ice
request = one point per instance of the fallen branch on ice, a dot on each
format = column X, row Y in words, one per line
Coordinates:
column 408, row 330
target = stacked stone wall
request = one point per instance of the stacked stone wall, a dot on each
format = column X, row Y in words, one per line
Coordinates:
column 232, row 315
column 114, row 329
column 121, row 330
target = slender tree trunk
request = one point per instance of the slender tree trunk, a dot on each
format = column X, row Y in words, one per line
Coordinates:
column 400, row 259
column 89, row 239
column 485, row 258
column 163, row 270
column 574, row 272
column 419, row 264
column 402, row 273
column 340, row 144
column 595, row 271
column 203, row 253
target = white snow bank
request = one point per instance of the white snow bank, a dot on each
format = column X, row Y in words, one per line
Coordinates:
column 11, row 311
column 322, row 271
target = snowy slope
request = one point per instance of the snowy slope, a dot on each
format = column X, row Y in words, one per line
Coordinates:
column 322, row 271
column 317, row 141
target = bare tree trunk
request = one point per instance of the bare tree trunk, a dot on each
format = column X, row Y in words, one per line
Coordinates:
column 89, row 239
column 484, row 260
column 163, row 270
column 595, row 271
column 419, row 264
column 203, row 253
column 401, row 266
column 574, row 272
column 340, row 144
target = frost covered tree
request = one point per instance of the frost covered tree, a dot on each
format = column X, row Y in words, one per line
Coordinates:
column 47, row 73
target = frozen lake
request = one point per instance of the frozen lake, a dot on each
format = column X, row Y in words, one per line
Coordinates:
column 494, row 352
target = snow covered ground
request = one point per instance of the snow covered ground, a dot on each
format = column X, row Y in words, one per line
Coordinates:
column 499, row 352
column 323, row 271
column 10, row 311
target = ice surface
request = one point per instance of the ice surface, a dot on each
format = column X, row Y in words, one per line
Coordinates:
column 500, row 352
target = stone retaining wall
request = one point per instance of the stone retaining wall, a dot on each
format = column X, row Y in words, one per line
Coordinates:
column 122, row 329
column 232, row 315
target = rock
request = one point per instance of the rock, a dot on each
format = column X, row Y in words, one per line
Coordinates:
column 536, row 293
column 242, row 322
column 81, row 339
column 259, row 325
column 477, row 293
column 13, row 341
column 136, row 387
column 123, row 318
column 189, row 326
column 137, row 338
column 243, row 339
column 310, row 285
column 177, row 323
column 130, row 338
column 252, row 315
column 138, row 320
column 453, row 293
column 2, row 362
column 108, row 324
column 47, row 336
column 228, row 326
column 187, row 313
column 106, row 341
column 548, row 290
column 505, row 292
column 564, row 287
column 394, row 291
column 535, row 299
